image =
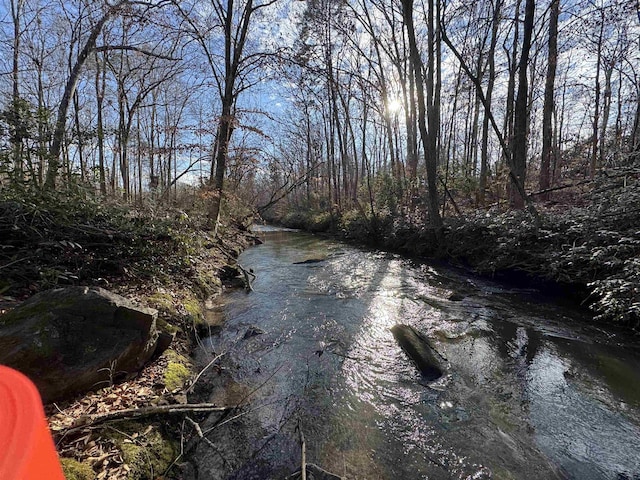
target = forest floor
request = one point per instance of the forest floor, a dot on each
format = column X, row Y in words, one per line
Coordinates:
column 584, row 244
column 159, row 258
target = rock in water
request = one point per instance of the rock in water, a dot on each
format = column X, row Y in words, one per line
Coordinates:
column 419, row 350
column 75, row 339
column 252, row 332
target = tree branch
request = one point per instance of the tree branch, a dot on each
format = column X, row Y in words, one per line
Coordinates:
column 87, row 421
column 130, row 48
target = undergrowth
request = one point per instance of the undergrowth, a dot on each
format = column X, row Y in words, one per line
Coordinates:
column 593, row 249
column 62, row 238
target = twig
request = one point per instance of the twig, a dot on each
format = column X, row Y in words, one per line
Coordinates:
column 246, row 274
column 216, row 358
column 303, row 448
column 177, row 459
column 198, row 430
column 196, row 426
column 561, row 187
column 14, row 262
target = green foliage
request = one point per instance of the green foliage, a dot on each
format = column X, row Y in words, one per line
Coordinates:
column 309, row 220
column 74, row 470
column 71, row 237
column 387, row 193
column 355, row 226
column 596, row 247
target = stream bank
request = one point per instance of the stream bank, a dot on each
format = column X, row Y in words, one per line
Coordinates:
column 587, row 250
column 166, row 260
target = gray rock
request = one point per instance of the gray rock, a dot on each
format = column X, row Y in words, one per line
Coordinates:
column 75, row 339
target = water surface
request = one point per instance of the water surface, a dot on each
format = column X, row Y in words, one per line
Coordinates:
column 532, row 390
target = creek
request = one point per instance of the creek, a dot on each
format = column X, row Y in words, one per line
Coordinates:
column 533, row 388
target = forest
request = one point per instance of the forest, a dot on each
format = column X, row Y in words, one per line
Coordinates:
column 440, row 128
column 140, row 139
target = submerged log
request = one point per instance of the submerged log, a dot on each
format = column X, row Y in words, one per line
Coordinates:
column 419, row 350
column 310, row 260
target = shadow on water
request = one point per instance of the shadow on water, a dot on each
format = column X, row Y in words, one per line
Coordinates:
column 529, row 392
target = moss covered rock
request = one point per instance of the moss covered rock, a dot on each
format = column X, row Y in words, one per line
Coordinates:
column 145, row 450
column 178, row 370
column 75, row 339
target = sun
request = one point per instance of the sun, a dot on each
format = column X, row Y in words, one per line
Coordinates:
column 393, row 105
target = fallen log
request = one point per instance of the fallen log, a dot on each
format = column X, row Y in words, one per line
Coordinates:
column 89, row 421
column 419, row 350
column 310, row 260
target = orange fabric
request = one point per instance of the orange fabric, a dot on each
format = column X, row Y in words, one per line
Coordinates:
column 27, row 451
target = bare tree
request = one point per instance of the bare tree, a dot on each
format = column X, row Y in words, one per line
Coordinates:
column 427, row 110
column 72, row 82
column 549, row 103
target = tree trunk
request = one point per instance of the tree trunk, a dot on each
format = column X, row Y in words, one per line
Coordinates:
column 17, row 108
column 233, row 47
column 511, row 84
column 549, row 103
column 521, row 114
column 484, row 154
column 429, row 140
column 100, row 89
column 606, row 110
column 593, row 165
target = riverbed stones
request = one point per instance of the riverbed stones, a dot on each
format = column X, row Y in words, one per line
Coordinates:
column 75, row 339
column 419, row 350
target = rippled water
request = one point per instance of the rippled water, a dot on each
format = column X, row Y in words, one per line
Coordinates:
column 531, row 390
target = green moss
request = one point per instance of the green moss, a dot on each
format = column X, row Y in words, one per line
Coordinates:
column 178, row 370
column 74, row 470
column 166, row 327
column 193, row 306
column 175, row 376
column 207, row 283
column 148, row 455
column 25, row 312
column 163, row 302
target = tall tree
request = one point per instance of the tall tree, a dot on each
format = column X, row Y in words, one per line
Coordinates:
column 231, row 73
column 521, row 112
column 549, row 104
column 427, row 112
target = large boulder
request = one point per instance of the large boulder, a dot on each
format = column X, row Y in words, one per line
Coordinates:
column 75, row 339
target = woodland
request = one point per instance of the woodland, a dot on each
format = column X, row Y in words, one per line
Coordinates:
column 503, row 136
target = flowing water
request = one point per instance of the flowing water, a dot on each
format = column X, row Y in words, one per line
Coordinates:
column 532, row 390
